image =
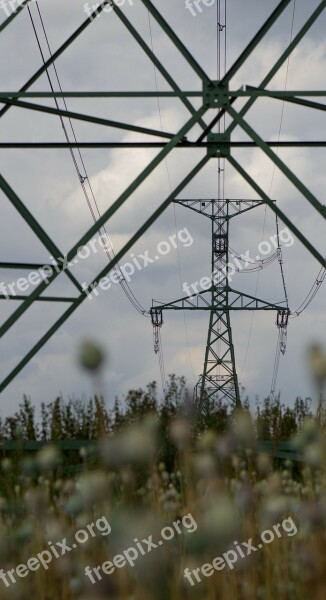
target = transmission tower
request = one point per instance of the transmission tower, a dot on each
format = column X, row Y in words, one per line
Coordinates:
column 219, row 378
column 213, row 95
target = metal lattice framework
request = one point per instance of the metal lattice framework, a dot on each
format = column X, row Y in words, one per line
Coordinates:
column 214, row 95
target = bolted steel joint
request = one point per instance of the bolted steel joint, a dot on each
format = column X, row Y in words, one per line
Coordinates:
column 216, row 95
column 218, row 145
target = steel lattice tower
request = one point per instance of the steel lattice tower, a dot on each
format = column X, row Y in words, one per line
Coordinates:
column 219, row 378
column 214, row 96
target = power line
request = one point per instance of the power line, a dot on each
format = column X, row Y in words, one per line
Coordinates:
column 311, row 294
column 83, row 178
column 281, row 342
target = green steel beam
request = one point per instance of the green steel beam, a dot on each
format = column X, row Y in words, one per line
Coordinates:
column 105, row 217
column 88, row 118
column 182, row 144
column 19, row 8
column 299, row 102
column 103, row 273
column 22, row 266
column 250, row 91
column 58, row 53
column 254, row 42
column 41, row 299
column 177, row 42
column 35, row 226
column 278, row 162
column 291, row 98
column 279, row 212
column 175, row 142
column 157, row 63
column 282, row 59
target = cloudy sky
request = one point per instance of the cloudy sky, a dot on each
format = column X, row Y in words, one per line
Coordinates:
column 106, row 57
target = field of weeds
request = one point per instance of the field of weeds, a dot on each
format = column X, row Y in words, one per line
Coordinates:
column 154, row 502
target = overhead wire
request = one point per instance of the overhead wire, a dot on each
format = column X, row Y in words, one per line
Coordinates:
column 279, row 250
column 311, row 294
column 281, row 341
column 83, row 178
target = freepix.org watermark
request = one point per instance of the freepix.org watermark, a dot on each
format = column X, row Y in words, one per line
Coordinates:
column 141, row 548
column 139, row 262
column 264, row 248
column 58, row 265
column 55, row 550
column 11, row 6
column 242, row 550
column 195, row 7
column 104, row 244
column 89, row 9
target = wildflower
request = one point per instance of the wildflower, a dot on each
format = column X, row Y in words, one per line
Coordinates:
column 91, row 356
column 48, row 458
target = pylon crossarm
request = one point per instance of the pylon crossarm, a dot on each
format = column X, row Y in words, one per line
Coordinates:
column 203, row 301
column 278, row 162
column 200, row 301
column 245, row 301
column 236, row 206
column 205, row 204
column 277, row 210
column 191, row 204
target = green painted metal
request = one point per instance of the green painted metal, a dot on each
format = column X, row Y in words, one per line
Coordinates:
column 215, row 95
column 88, row 118
column 219, row 379
column 296, row 40
column 35, row 226
column 277, row 211
column 278, row 162
column 103, row 273
column 250, row 91
column 181, row 144
column 255, row 41
column 18, row 9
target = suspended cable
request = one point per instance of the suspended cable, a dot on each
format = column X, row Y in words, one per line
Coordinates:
column 282, row 338
column 281, row 342
column 311, row 294
column 83, row 178
column 276, row 366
